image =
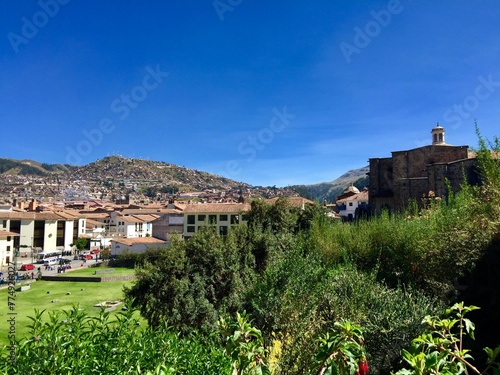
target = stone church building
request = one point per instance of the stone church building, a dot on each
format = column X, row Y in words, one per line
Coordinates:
column 419, row 173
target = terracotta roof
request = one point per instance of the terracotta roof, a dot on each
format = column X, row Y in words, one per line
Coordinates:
column 139, row 240
column 92, row 223
column 129, row 219
column 217, row 208
column 363, row 196
column 147, row 218
column 5, row 233
column 100, row 215
column 146, row 211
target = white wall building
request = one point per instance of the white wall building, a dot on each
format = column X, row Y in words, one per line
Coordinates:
column 356, row 201
column 6, row 247
column 222, row 216
column 136, row 245
column 43, row 231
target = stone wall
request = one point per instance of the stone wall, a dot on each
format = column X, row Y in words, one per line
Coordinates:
column 96, row 279
column 412, row 174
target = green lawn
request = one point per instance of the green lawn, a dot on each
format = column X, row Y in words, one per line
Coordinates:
column 58, row 295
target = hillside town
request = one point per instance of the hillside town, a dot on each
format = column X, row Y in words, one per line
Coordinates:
column 122, row 204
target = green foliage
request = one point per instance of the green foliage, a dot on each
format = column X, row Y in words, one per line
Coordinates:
column 190, row 283
column 81, row 243
column 300, row 296
column 342, row 352
column 440, row 349
column 71, row 342
column 245, row 346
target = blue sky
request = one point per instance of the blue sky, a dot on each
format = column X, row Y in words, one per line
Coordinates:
column 264, row 92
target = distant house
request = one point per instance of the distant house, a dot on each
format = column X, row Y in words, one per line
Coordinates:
column 6, row 246
column 352, row 203
column 167, row 224
column 96, row 233
column 131, row 226
column 420, row 173
column 222, row 216
column 136, row 245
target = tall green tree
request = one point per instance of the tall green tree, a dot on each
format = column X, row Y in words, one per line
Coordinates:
column 191, row 283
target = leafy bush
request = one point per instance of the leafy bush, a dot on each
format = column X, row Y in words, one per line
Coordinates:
column 300, row 296
column 441, row 349
column 71, row 342
column 191, row 283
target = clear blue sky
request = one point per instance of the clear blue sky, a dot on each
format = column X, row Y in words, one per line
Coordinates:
column 265, row 92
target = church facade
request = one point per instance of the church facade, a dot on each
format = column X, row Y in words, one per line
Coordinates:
column 420, row 173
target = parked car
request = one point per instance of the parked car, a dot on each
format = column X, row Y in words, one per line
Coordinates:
column 66, row 261
column 86, row 256
column 95, row 251
column 27, row 267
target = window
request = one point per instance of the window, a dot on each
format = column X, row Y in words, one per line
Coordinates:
column 350, row 204
column 190, row 219
column 202, row 217
column 191, row 229
column 223, row 217
column 9, row 238
column 212, row 219
column 5, row 224
column 8, row 248
column 223, row 230
column 235, row 219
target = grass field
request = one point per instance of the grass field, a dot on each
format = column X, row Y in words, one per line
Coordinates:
column 58, row 296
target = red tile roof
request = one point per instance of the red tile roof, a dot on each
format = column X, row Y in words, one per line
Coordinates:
column 217, row 208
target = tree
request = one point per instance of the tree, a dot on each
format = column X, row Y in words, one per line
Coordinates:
column 81, row 243
column 191, row 283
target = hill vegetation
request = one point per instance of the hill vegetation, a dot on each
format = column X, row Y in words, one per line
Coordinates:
column 32, row 168
column 117, row 168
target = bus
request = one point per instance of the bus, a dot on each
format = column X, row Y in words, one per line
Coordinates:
column 49, row 256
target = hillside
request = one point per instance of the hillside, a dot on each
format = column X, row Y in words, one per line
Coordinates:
column 108, row 179
column 114, row 176
column 32, row 168
column 330, row 190
column 139, row 171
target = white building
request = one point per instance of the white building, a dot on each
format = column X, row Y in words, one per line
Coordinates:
column 352, row 202
column 43, row 231
column 131, row 226
column 6, row 247
column 222, row 216
column 136, row 245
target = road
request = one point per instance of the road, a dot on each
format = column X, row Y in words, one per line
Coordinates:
column 75, row 264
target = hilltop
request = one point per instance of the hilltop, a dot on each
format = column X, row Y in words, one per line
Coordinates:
column 330, row 190
column 136, row 171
